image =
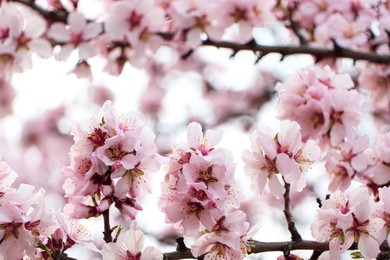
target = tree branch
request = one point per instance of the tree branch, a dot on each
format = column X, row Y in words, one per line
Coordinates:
column 261, row 247
column 64, row 256
column 295, row 236
column 318, row 53
column 107, row 229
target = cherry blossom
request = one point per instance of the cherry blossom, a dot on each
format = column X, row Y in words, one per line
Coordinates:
column 284, row 154
column 348, row 218
column 347, row 160
column 199, row 181
column 130, row 246
column 77, row 34
column 247, row 14
column 110, row 147
column 316, row 100
column 324, row 108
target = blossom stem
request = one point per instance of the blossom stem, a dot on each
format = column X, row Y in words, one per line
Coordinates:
column 66, row 257
column 107, row 229
column 261, row 247
column 318, row 53
column 295, row 236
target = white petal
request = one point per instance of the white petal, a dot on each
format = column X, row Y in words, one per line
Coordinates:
column 41, row 47
column 92, row 30
column 193, row 38
column 368, row 246
column 151, row 253
column 59, row 33
column 77, row 22
column 245, row 31
column 86, row 50
column 276, row 187
column 64, row 52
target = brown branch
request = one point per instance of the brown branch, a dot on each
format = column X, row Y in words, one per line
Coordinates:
column 318, row 53
column 262, row 247
column 107, row 229
column 295, row 236
column 64, row 256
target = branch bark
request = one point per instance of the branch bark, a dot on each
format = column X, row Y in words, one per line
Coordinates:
column 318, row 53
column 295, row 236
column 261, row 247
column 107, row 229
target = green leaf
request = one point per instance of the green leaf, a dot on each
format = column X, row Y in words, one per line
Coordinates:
column 356, row 255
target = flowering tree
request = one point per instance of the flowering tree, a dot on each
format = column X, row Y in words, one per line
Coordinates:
column 325, row 110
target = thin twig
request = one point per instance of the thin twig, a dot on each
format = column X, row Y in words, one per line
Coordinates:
column 64, row 256
column 295, row 236
column 262, row 247
column 107, row 229
column 318, row 53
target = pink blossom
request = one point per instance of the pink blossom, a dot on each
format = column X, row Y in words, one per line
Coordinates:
column 197, row 17
column 375, row 79
column 198, row 142
column 247, row 14
column 380, row 172
column 77, row 34
column 17, row 37
column 345, row 32
column 7, row 177
column 316, row 100
column 347, row 160
column 188, row 212
column 226, row 246
column 383, row 212
column 348, row 218
column 137, row 22
column 284, row 154
column 130, row 246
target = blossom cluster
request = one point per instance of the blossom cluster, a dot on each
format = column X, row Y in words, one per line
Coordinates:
column 281, row 158
column 351, row 159
column 110, row 162
column 132, row 30
column 27, row 229
column 130, row 246
column 353, row 217
column 200, row 194
column 323, row 102
column 22, row 217
column 325, row 21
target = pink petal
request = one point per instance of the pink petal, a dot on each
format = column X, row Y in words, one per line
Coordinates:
column 77, row 22
column 245, row 31
column 92, row 30
column 151, row 253
column 193, row 38
column 276, row 186
column 86, row 50
column 59, row 32
column 65, row 52
column 368, row 246
column 288, row 167
column 41, row 47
